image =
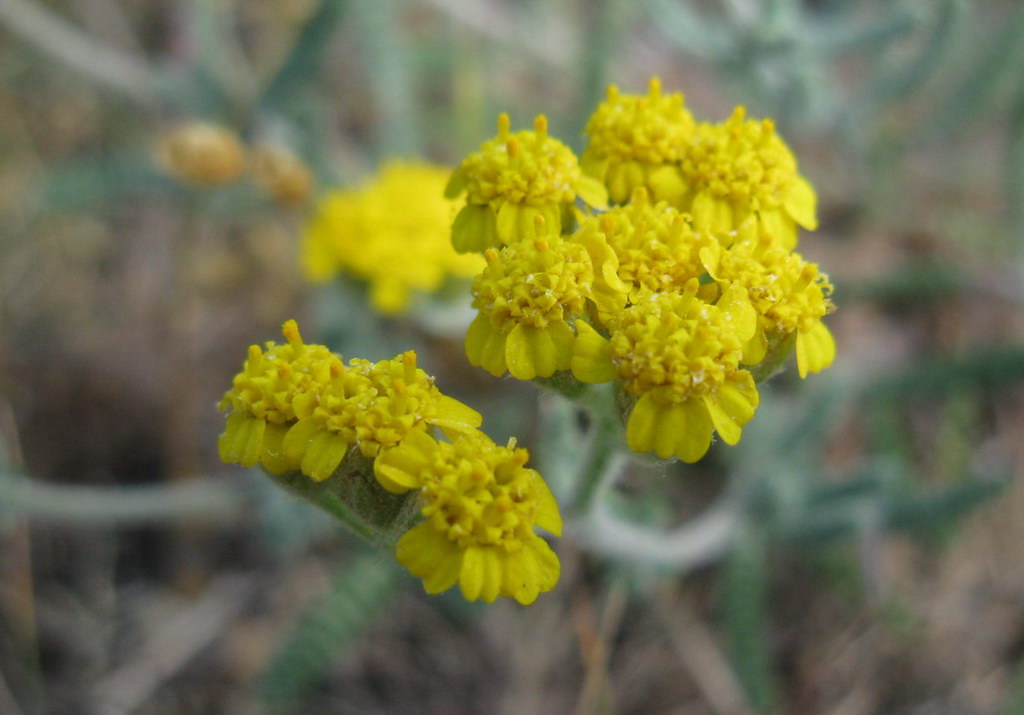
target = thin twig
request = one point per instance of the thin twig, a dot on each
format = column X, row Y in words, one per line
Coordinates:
column 119, row 506
column 52, row 34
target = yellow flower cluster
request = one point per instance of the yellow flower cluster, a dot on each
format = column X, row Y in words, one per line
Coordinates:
column 513, row 179
column 299, row 407
column 675, row 293
column 638, row 141
column 481, row 505
column 392, row 232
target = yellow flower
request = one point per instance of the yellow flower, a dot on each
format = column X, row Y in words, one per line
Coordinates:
column 526, row 296
column 510, row 181
column 373, row 406
column 481, row 505
column 393, row 232
column 789, row 294
column 262, row 395
column 741, row 168
column 298, row 407
column 638, row 141
column 656, row 246
column 681, row 357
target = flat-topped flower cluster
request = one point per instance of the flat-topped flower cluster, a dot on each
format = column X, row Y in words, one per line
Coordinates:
column 681, row 292
column 299, row 407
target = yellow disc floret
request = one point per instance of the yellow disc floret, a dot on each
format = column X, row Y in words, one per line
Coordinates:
column 636, row 140
column 262, row 395
column 741, row 168
column 681, row 357
column 393, row 232
column 481, row 506
column 526, row 296
column 512, row 179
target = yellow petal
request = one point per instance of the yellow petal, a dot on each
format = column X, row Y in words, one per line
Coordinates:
column 548, row 567
column 801, row 203
column 815, row 349
column 591, row 355
column 538, row 352
column 547, row 517
column 731, row 407
column 485, row 345
column 431, row 556
column 520, row 577
column 493, row 575
column 592, row 192
column 622, row 179
column 474, row 229
column 666, row 184
column 273, row 458
column 456, row 184
column 399, row 469
column 642, row 426
column 508, row 222
column 324, row 454
column 711, row 258
column 298, row 439
column 242, row 441
column 741, row 314
column 780, row 226
column 472, row 573
column 454, row 416
column 755, row 348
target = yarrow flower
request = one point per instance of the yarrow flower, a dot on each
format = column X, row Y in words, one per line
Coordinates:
column 789, row 294
column 742, row 168
column 656, row 248
column 510, row 181
column 680, row 356
column 394, row 232
column 298, row 407
column 526, row 296
column 637, row 141
column 481, row 505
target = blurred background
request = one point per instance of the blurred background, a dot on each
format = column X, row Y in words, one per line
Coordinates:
column 876, row 563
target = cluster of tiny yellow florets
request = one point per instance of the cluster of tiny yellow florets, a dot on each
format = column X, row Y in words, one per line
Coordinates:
column 481, row 505
column 513, row 179
column 638, row 141
column 392, row 232
column 677, row 292
column 299, row 407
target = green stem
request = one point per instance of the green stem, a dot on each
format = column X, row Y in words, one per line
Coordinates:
column 603, row 463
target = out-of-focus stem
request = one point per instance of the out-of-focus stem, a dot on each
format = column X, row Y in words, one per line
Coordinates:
column 47, row 31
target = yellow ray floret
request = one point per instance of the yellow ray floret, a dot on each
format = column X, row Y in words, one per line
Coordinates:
column 742, row 168
column 789, row 294
column 526, row 297
column 637, row 141
column 394, row 232
column 510, row 181
column 681, row 357
column 481, row 506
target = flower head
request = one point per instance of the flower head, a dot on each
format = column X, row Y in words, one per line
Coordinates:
column 636, row 140
column 656, row 246
column 481, row 506
column 681, row 357
column 371, row 406
column 299, row 407
column 393, row 232
column 789, row 294
column 510, row 181
column 261, row 398
column 741, row 168
column 526, row 295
